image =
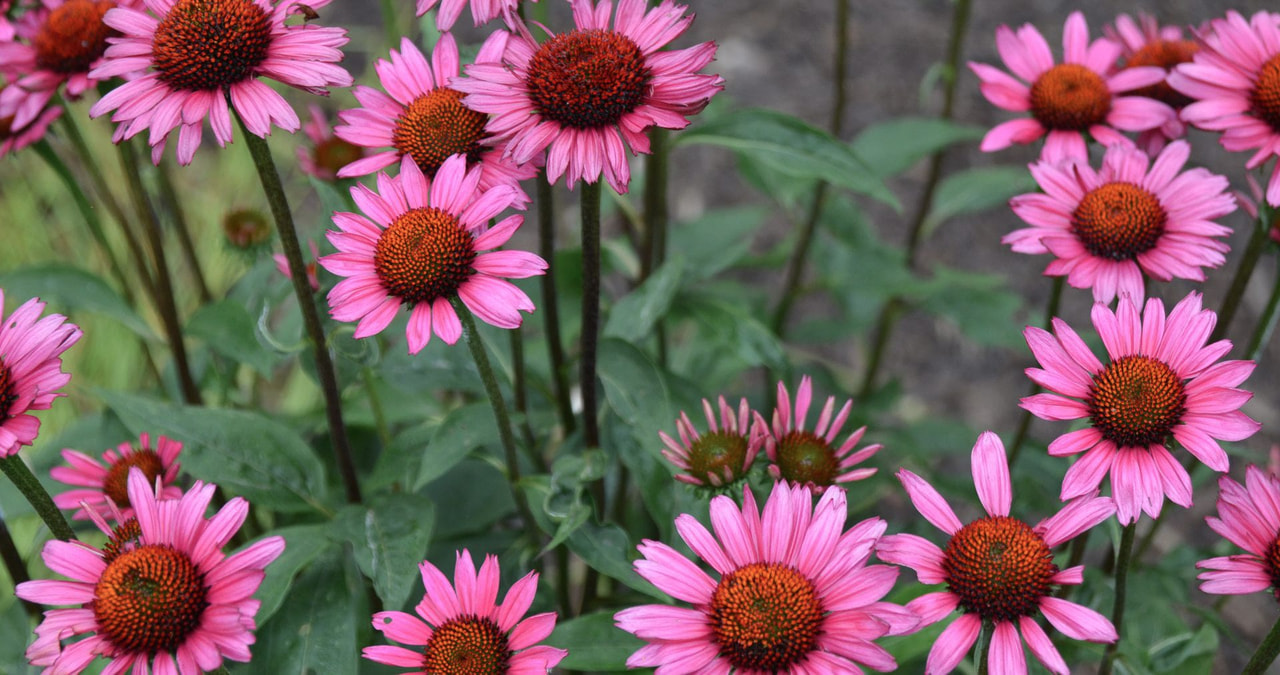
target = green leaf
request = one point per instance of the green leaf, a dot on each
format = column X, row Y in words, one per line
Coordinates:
column 313, row 631
column 302, row 544
column 1185, row 652
column 594, row 643
column 894, row 146
column 976, row 190
column 634, row 387
column 477, row 495
column 716, row 240
column 464, row 430
column 244, row 452
column 74, row 289
column 792, row 147
column 733, row 330
column 606, row 548
column 389, row 535
column 980, row 304
column 633, row 316
column 399, row 462
column 229, row 330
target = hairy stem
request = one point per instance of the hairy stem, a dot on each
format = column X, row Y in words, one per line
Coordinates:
column 1244, row 270
column 1124, row 561
column 37, row 496
column 1024, row 425
column 590, row 313
column 551, row 306
column 16, row 566
column 1266, row 323
column 1266, row 653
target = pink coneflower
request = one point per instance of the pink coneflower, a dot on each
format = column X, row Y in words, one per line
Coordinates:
column 7, row 31
column 1069, row 98
column 422, row 117
column 1249, row 517
column 482, row 11
column 30, row 369
column 1146, row 43
column 176, row 563
column 1108, row 228
column 421, row 246
column 589, row 93
column 997, row 569
column 1161, row 382
column 111, row 481
column 721, row 456
column 795, row 592
column 197, row 53
column 282, row 266
column 14, row 138
column 811, row 458
column 325, row 153
column 466, row 631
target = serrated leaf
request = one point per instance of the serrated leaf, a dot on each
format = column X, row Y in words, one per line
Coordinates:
column 389, row 535
column 633, row 316
column 895, row 145
column 976, row 190
column 302, row 544
column 462, row 431
column 715, row 240
column 72, row 288
column 229, row 330
column 313, row 631
column 594, row 643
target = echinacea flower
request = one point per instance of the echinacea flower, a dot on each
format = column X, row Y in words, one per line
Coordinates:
column 1249, row 517
column 197, row 54
column 1235, row 82
column 1146, row 43
column 99, row 483
column 724, row 453
column 794, row 594
column 998, row 570
column 464, row 629
column 1081, row 94
column 420, row 116
column 1131, row 217
column 424, row 243
column 175, row 562
column 1161, row 382
column 14, row 138
column 482, row 11
column 811, row 458
column 324, row 154
column 30, row 369
column 245, row 229
column 589, row 93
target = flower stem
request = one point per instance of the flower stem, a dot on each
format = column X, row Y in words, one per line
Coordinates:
column 1024, row 425
column 1266, row 323
column 590, row 313
column 652, row 245
column 550, row 305
column 306, row 302
column 1244, row 270
column 37, row 496
column 1124, row 559
column 16, row 566
column 984, row 646
column 1266, row 653
column 518, row 385
column 173, row 205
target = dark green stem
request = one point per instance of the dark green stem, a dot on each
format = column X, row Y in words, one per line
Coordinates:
column 983, row 646
column 16, row 566
column 174, row 206
column 375, row 405
column 590, row 335
column 550, row 304
column 1266, row 653
column 889, row 313
column 1024, row 425
column 1266, row 323
column 1244, row 270
column 655, row 203
column 306, row 302
column 518, row 385
column 1123, row 563
column 37, row 496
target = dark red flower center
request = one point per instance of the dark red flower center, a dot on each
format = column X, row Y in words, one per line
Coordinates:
column 766, row 617
column 1272, row 560
column 116, row 486
column 1266, row 93
column 333, row 153
column 149, row 599
column 1070, row 96
column 805, row 458
column 437, row 125
column 1136, row 401
column 999, row 567
column 203, row 45
column 126, row 537
column 8, row 387
column 245, row 228
column 587, row 78
column 717, row 457
column 467, row 645
column 1163, row 54
column 73, row 36
column 425, row 254
column 6, row 127
column 1118, row 221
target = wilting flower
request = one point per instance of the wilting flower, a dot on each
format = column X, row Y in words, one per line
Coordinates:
column 325, row 153
column 1249, row 517
column 165, row 592
column 198, row 53
column 108, row 479
column 1146, row 43
column 1108, row 228
column 811, row 458
column 1162, row 382
column 795, row 592
column 1069, row 98
column 998, row 570
column 466, row 630
column 482, row 11
column 724, row 453
column 30, row 369
column 589, row 93
column 424, row 243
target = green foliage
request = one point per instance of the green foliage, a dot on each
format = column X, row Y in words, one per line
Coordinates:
column 229, row 330
column 893, row 146
column 979, row 189
column 633, row 316
column 388, row 536
column 594, row 643
column 303, row 543
column 73, row 288
column 464, row 430
column 313, row 631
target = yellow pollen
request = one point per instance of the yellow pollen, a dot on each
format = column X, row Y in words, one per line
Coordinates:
column 1069, row 96
column 766, row 617
column 1136, row 401
column 999, row 567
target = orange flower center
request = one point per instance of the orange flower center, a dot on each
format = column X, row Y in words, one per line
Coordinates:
column 1272, row 560
column 1136, row 401
column 588, row 78
column 8, row 388
column 1118, row 221
column 1266, row 93
column 425, row 254
column 1070, row 96
column 333, row 153
column 149, row 600
column 766, row 617
column 204, row 45
column 437, row 125
column 116, row 486
column 73, row 36
column 245, row 228
column 805, row 458
column 126, row 537
column 999, row 567
column 718, row 457
column 467, row 646
column 1164, row 54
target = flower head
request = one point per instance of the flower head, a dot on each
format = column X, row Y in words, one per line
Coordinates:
column 794, row 594
column 997, row 569
column 482, row 11
column 325, row 154
column 165, row 591
column 246, row 229
column 424, row 243
column 1161, row 382
column 14, row 137
column 466, row 630
column 30, row 369
column 589, row 93
column 1132, row 217
column 108, row 479
column 812, row 458
column 1249, row 517
column 198, row 53
column 1079, row 95
column 721, row 456
column 1145, row 43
